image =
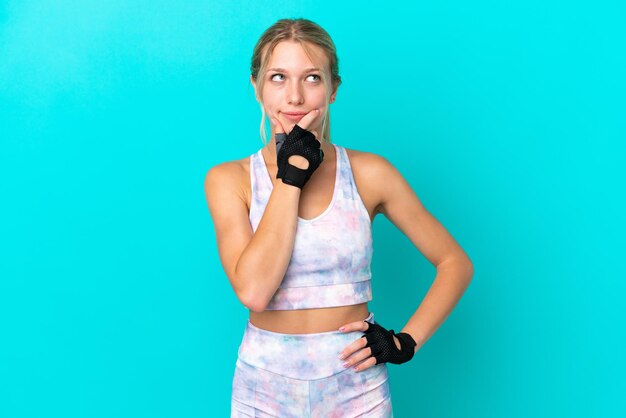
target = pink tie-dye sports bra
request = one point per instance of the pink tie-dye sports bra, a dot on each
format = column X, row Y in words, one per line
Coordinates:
column 330, row 262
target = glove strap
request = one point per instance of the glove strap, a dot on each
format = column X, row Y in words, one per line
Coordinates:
column 294, row 176
column 406, row 341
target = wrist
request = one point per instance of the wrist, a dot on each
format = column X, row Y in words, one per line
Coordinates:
column 287, row 188
column 295, row 176
column 417, row 338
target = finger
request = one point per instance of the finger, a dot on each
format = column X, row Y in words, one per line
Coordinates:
column 365, row 365
column 355, row 326
column 352, row 348
column 358, row 357
column 286, row 125
column 278, row 126
column 304, row 122
column 308, row 119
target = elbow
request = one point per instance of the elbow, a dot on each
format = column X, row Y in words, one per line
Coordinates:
column 462, row 266
column 249, row 297
column 466, row 267
column 469, row 270
column 252, row 294
column 255, row 306
column 252, row 301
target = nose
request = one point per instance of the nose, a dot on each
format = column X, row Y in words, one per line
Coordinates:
column 294, row 94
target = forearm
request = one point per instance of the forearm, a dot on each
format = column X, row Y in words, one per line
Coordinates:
column 263, row 263
column 450, row 282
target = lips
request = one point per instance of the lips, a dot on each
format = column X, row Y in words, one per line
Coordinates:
column 294, row 116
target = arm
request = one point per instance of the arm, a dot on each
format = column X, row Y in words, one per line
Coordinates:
column 399, row 203
column 254, row 262
column 392, row 196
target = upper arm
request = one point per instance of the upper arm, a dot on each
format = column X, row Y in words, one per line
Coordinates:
column 229, row 211
column 399, row 203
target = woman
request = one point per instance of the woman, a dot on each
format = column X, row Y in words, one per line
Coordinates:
column 293, row 228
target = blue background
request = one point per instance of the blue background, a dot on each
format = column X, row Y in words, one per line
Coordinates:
column 507, row 118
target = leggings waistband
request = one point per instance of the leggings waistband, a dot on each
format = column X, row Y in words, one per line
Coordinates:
column 297, row 356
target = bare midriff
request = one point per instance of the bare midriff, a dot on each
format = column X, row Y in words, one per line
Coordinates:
column 308, row 321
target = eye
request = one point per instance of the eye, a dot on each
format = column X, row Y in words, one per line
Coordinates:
column 317, row 77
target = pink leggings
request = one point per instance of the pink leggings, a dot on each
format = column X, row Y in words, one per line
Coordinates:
column 301, row 375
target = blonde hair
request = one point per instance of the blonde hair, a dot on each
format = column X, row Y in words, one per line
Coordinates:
column 302, row 31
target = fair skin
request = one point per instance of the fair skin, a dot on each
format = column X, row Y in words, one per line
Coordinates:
column 255, row 262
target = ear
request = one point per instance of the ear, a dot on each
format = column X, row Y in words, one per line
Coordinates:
column 333, row 96
column 256, row 94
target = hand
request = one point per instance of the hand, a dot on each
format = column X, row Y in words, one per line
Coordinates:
column 298, row 144
column 375, row 346
column 280, row 122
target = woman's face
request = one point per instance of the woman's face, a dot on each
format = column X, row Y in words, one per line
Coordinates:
column 293, row 85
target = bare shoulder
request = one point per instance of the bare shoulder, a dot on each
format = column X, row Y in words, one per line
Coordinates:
column 370, row 173
column 226, row 170
column 231, row 177
column 367, row 162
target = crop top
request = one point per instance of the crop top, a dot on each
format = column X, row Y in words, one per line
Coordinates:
column 330, row 262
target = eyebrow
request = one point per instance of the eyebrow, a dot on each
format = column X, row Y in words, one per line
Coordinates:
column 285, row 71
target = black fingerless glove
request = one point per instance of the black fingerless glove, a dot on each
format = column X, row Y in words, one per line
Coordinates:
column 303, row 143
column 280, row 139
column 384, row 348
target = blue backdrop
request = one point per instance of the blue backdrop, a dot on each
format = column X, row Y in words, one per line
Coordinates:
column 507, row 118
